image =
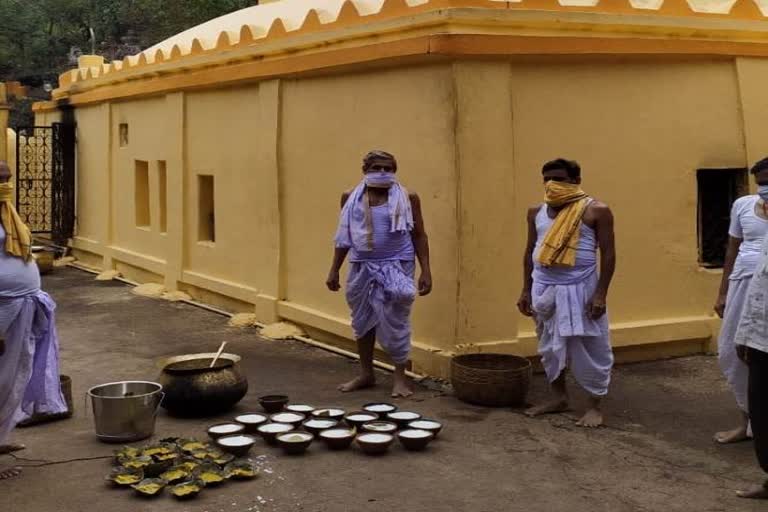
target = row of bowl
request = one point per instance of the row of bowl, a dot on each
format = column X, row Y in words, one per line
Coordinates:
column 294, row 429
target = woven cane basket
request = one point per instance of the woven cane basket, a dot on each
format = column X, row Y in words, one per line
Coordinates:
column 494, row 380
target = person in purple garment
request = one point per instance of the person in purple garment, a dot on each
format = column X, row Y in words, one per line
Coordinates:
column 381, row 229
column 29, row 348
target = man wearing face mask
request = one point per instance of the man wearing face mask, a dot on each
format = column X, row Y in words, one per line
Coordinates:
column 563, row 290
column 748, row 229
column 381, row 228
column 29, row 359
column 751, row 342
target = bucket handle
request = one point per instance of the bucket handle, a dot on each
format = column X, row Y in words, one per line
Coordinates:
column 157, row 409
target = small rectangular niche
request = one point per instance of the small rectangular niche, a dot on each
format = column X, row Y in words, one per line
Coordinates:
column 141, row 193
column 717, row 191
column 162, row 187
column 123, row 133
column 206, row 226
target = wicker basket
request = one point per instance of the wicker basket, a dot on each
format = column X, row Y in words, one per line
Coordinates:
column 37, row 418
column 494, row 380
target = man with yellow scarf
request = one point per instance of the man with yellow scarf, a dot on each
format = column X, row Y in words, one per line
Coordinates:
column 29, row 357
column 563, row 290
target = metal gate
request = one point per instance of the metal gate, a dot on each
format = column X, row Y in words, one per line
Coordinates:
column 45, row 179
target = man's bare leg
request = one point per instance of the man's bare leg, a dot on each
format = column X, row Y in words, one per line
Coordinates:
column 6, row 473
column 737, row 435
column 367, row 378
column 558, row 404
column 593, row 418
column 5, row 449
column 402, row 387
column 759, row 492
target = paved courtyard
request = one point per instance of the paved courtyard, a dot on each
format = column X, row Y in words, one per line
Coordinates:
column 655, row 455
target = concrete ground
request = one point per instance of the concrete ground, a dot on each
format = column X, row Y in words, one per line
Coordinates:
column 655, row 455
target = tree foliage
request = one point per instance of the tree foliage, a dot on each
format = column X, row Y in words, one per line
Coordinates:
column 40, row 38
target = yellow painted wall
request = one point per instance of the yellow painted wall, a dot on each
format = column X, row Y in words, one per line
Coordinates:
column 148, row 123
column 228, row 122
column 92, row 180
column 470, row 137
column 322, row 145
column 640, row 131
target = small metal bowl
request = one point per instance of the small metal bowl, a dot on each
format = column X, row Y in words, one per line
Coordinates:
column 291, row 418
column 228, row 444
column 273, row 404
column 403, row 418
column 415, row 440
column 296, row 442
column 332, row 413
column 300, row 408
column 316, row 425
column 357, row 419
column 225, row 429
column 379, row 427
column 269, row 431
column 338, row 438
column 381, row 409
column 433, row 426
column 251, row 421
column 374, row 444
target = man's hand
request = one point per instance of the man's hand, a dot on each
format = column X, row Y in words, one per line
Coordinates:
column 333, row 281
column 525, row 304
column 743, row 352
column 425, row 284
column 720, row 306
column 596, row 307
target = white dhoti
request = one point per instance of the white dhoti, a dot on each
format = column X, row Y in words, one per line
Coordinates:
column 567, row 336
column 734, row 369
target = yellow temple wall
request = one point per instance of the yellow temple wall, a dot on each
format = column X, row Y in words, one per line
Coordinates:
column 470, row 137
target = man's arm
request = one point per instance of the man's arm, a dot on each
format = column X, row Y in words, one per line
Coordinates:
column 730, row 260
column 525, row 303
column 339, row 255
column 421, row 245
column 607, row 245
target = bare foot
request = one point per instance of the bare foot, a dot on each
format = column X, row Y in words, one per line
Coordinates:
column 361, row 382
column 402, row 388
column 736, row 435
column 755, row 493
column 5, row 449
column 593, row 418
column 8, row 473
column 552, row 407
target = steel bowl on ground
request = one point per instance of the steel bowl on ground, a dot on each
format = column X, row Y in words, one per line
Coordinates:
column 338, row 438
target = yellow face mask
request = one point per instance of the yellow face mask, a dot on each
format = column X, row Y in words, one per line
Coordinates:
column 558, row 193
column 6, row 192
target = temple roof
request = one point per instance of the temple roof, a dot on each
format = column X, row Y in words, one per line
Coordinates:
column 292, row 28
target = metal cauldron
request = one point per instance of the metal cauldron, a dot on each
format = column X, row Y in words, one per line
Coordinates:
column 124, row 412
column 193, row 389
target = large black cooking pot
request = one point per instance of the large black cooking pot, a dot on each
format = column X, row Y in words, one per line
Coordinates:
column 193, row 389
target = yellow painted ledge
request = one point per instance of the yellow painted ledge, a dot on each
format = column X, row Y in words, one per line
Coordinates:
column 448, row 28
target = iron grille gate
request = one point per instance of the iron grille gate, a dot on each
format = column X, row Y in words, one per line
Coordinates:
column 45, row 179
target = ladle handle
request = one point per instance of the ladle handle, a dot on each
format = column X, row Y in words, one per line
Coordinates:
column 218, row 354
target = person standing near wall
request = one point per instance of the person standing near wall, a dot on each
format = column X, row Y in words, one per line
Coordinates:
column 751, row 346
column 29, row 358
column 563, row 291
column 381, row 228
column 749, row 227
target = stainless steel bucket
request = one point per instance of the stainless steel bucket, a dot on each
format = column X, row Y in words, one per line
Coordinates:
column 124, row 412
